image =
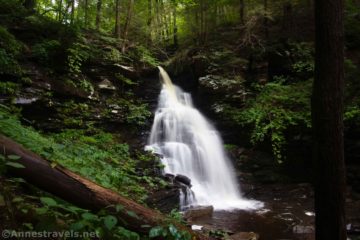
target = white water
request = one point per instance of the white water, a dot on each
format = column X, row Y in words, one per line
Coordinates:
column 191, row 146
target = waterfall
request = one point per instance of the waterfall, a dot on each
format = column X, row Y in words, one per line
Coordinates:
column 191, row 146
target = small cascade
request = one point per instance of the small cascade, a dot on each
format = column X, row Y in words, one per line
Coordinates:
column 192, row 147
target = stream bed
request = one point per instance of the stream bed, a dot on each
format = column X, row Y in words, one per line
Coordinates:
column 288, row 213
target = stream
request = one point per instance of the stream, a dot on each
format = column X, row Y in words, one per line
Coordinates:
column 287, row 214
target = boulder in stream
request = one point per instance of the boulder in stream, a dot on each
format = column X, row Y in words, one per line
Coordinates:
column 199, row 211
column 245, row 236
column 183, row 179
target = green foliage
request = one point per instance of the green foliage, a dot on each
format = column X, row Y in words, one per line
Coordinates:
column 169, row 232
column 9, row 88
column 77, row 54
column 9, row 42
column 10, row 10
column 8, row 64
column 135, row 112
column 7, row 161
column 46, row 213
column 138, row 114
column 44, row 52
column 275, row 109
column 112, row 54
column 9, row 49
column 95, row 155
column 352, row 24
column 303, row 54
column 177, row 216
column 218, row 234
column 144, row 56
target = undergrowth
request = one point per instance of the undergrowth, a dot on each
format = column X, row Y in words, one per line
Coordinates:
column 96, row 156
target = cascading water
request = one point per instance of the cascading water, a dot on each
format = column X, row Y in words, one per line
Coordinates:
column 191, row 146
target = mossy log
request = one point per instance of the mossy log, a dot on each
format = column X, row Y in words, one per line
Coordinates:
column 82, row 192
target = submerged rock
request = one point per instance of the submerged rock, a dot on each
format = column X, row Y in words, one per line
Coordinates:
column 199, row 211
column 245, row 236
column 299, row 229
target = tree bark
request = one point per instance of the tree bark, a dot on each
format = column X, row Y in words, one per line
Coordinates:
column 127, row 23
column 72, row 11
column 149, row 22
column 327, row 117
column 80, row 191
column 242, row 11
column 86, row 15
column 266, row 27
column 117, row 19
column 60, row 3
column 165, row 30
column 29, row 4
column 175, row 29
column 98, row 14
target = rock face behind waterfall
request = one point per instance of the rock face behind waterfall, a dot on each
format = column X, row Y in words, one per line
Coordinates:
column 191, row 147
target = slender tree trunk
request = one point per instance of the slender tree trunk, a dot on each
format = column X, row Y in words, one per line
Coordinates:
column 67, row 8
column 117, row 19
column 60, row 3
column 127, row 23
column 166, row 30
column 86, row 11
column 175, row 25
column 242, row 11
column 266, row 27
column 158, row 21
column 98, row 14
column 30, row 4
column 149, row 22
column 206, row 22
column 327, row 115
column 287, row 19
column 197, row 27
column 72, row 11
column 201, row 21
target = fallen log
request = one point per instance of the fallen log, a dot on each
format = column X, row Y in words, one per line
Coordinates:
column 82, row 192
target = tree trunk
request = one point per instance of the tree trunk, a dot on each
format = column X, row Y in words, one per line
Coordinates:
column 327, row 117
column 175, row 29
column 287, row 25
column 242, row 11
column 158, row 21
column 117, row 19
column 149, row 21
column 266, row 27
column 60, row 3
column 72, row 11
column 98, row 14
column 80, row 191
column 201, row 21
column 165, row 21
column 29, row 4
column 86, row 15
column 127, row 24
